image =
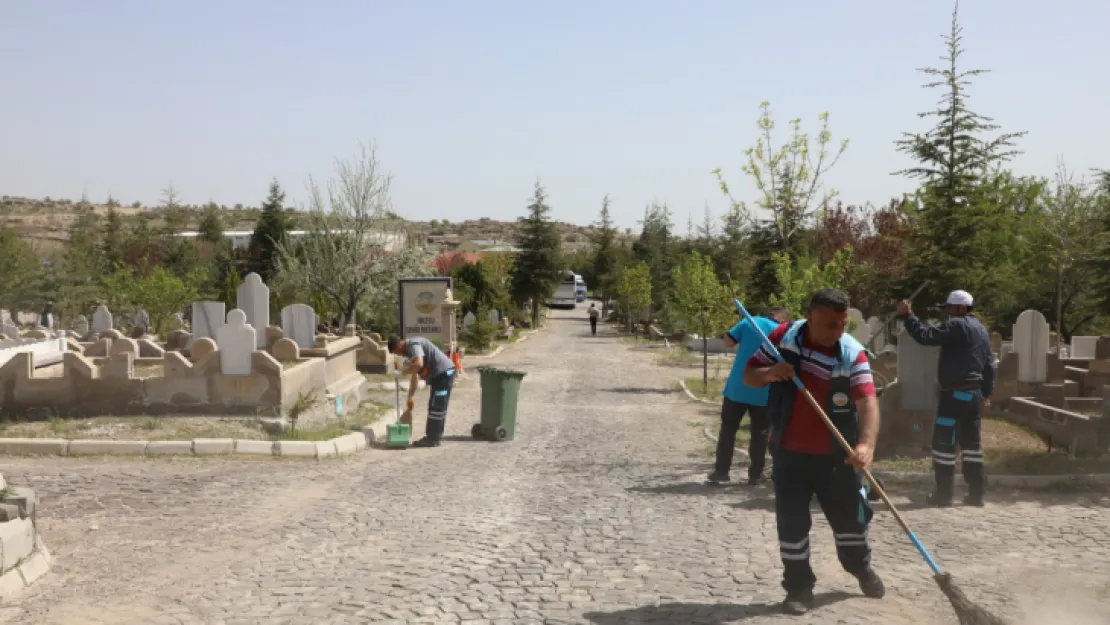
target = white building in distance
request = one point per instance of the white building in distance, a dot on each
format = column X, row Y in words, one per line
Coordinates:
column 241, row 239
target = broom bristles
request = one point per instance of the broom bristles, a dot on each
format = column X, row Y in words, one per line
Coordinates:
column 966, row 611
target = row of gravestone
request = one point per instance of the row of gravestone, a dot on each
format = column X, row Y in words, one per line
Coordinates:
column 298, row 321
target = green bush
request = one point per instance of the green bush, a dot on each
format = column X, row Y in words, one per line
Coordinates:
column 481, row 334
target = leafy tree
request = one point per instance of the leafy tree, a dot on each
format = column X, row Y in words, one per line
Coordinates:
column 174, row 215
column 22, row 270
column 272, row 228
column 634, row 290
column 1068, row 227
column 800, row 279
column 481, row 334
column 878, row 239
column 656, row 248
column 538, row 267
column 160, row 293
column 952, row 160
column 483, row 285
column 788, row 178
column 343, row 258
column 211, row 228
column 703, row 304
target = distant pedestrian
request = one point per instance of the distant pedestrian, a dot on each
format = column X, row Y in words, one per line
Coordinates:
column 965, row 372
column 46, row 317
column 594, row 314
column 741, row 399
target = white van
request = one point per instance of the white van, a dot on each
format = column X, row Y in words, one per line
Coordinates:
column 565, row 295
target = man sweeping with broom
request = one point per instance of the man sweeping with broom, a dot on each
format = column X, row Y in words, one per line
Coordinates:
column 833, row 366
column 428, row 362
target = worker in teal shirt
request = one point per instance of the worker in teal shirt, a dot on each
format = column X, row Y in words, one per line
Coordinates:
column 740, row 399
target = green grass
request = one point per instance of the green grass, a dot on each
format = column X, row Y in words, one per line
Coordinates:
column 1010, row 449
column 368, row 413
column 716, row 386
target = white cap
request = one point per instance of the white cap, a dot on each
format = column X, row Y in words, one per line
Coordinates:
column 959, row 298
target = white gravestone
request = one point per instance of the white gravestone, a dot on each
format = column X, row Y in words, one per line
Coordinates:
column 298, row 322
column 253, row 298
column 1083, row 347
column 861, row 332
column 237, row 342
column 494, row 317
column 102, row 319
column 917, row 373
column 9, row 330
column 469, row 319
column 1031, row 346
column 875, row 328
column 208, row 318
column 81, row 326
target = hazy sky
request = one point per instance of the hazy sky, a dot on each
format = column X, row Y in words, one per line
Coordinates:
column 471, row 100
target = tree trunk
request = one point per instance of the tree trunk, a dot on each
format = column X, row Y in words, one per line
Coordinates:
column 705, row 366
column 1059, row 306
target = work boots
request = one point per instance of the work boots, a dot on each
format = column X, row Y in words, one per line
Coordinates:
column 871, row 584
column 798, row 602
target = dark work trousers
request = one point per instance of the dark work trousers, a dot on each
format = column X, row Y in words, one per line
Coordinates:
column 959, row 424
column 440, row 387
column 593, row 325
column 732, row 414
column 798, row 477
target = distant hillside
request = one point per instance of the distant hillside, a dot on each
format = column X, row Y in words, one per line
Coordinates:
column 46, row 223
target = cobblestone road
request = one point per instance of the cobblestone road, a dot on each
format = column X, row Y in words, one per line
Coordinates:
column 596, row 514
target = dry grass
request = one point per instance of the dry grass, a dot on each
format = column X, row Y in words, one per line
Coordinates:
column 183, row 427
column 1010, row 449
column 716, row 387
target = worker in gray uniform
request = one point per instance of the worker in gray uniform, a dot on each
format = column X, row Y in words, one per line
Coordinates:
column 965, row 372
column 427, row 362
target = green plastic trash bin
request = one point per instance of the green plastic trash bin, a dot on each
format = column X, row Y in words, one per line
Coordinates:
column 500, row 389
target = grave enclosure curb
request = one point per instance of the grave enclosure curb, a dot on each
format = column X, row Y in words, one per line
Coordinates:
column 341, row 446
column 682, row 383
column 1008, row 481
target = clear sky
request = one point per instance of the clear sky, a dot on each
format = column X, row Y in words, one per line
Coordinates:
column 471, row 100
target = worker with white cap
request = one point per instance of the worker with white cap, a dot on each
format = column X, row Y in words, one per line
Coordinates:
column 965, row 373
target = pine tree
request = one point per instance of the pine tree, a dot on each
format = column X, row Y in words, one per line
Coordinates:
column 952, row 160
column 112, row 240
column 605, row 253
column 538, row 266
column 270, row 231
column 656, row 248
column 211, row 226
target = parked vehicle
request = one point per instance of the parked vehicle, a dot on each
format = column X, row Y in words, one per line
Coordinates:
column 565, row 294
column 579, row 288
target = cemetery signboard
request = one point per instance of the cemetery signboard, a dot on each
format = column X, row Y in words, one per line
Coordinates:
column 421, row 308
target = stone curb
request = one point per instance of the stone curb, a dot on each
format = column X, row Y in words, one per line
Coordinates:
column 1010, row 481
column 342, row 446
column 743, row 452
column 500, row 348
column 682, row 383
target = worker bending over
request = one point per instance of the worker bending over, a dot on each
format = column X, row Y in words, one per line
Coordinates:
column 428, row 362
